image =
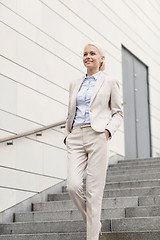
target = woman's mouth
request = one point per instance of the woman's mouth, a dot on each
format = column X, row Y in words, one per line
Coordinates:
column 89, row 62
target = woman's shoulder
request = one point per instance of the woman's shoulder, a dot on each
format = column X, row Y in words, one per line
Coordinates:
column 111, row 78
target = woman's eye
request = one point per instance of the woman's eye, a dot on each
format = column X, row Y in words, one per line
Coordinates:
column 93, row 53
column 85, row 54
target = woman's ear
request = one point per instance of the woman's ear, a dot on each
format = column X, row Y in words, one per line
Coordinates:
column 102, row 58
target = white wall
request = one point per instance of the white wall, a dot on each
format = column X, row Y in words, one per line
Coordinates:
column 41, row 48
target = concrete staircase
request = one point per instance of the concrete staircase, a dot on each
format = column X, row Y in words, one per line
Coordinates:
column 130, row 209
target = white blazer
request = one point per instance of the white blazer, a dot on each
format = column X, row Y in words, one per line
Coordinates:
column 105, row 108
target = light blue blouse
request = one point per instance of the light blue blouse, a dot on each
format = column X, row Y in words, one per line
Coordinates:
column 83, row 100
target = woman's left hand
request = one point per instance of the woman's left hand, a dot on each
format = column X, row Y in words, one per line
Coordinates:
column 107, row 134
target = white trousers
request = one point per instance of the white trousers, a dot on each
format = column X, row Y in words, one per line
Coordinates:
column 87, row 149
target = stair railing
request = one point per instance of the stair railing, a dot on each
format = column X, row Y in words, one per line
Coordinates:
column 38, row 131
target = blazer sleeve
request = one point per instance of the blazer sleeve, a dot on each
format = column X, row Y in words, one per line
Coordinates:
column 66, row 125
column 116, row 109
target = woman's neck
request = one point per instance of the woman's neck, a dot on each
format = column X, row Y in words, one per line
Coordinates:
column 91, row 72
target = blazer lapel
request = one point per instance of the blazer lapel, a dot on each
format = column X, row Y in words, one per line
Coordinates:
column 98, row 84
column 75, row 91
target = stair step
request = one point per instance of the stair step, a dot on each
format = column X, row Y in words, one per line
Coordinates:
column 114, row 193
column 126, row 184
column 66, row 215
column 109, row 213
column 47, row 227
column 151, row 160
column 151, row 175
column 46, row 236
column 135, row 224
column 129, row 167
column 131, row 172
column 145, row 211
column 117, row 225
column 133, row 184
column 66, row 205
column 138, row 177
column 132, row 192
column 134, row 175
column 143, row 235
column 136, row 163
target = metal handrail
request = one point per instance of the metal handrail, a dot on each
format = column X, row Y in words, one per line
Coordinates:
column 31, row 132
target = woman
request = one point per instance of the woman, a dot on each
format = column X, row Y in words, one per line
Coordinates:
column 94, row 114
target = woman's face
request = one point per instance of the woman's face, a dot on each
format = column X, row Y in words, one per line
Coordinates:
column 92, row 58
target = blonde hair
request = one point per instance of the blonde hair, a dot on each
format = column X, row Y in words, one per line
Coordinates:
column 101, row 51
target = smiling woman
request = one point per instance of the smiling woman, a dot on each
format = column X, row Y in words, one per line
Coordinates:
column 93, row 58
column 94, row 114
